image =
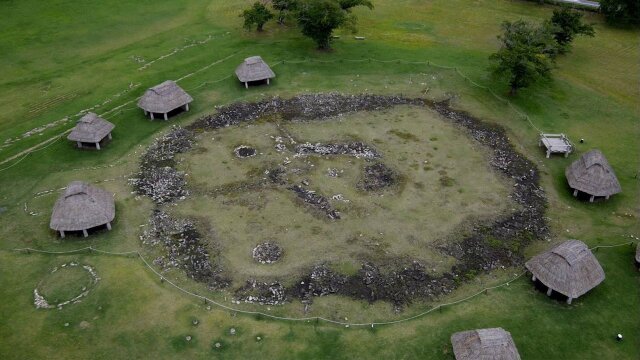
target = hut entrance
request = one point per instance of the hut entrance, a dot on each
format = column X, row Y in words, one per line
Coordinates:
column 545, row 289
column 87, row 232
column 257, row 83
column 92, row 145
column 172, row 113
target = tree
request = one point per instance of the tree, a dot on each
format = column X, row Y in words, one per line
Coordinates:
column 621, row 12
column 526, row 54
column 318, row 18
column 258, row 15
column 284, row 8
column 566, row 24
column 348, row 4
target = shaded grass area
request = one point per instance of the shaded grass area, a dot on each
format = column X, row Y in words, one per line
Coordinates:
column 62, row 57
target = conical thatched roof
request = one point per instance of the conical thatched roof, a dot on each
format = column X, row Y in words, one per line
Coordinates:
column 164, row 98
column 81, row 207
column 593, row 175
column 254, row 69
column 91, row 128
column 484, row 344
column 569, row 268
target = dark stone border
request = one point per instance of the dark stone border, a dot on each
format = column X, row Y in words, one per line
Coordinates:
column 491, row 245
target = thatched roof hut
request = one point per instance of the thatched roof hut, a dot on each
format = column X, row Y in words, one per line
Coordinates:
column 569, row 268
column 82, row 207
column 254, row 69
column 91, row 129
column 593, row 175
column 495, row 343
column 163, row 98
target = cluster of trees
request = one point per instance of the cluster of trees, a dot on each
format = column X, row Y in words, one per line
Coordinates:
column 528, row 51
column 316, row 18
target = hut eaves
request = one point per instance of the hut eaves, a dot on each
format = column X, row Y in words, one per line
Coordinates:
column 163, row 98
column 82, row 207
column 593, row 175
column 254, row 69
column 494, row 343
column 91, row 129
column 569, row 268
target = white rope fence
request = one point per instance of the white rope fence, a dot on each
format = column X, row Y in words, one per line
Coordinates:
column 207, row 300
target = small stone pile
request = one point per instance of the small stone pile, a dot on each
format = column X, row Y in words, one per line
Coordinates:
column 356, row 149
column 162, row 185
column 262, row 293
column 184, row 249
column 377, row 177
column 266, row 253
column 158, row 178
column 318, row 202
column 320, row 282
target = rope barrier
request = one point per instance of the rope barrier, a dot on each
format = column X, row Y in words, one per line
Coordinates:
column 284, row 318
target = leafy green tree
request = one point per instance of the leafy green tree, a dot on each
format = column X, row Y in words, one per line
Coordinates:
column 257, row 15
column 621, row 12
column 566, row 25
column 318, row 18
column 348, row 4
column 526, row 55
column 284, row 8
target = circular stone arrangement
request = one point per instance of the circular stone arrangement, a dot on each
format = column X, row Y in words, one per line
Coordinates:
column 494, row 244
column 244, row 151
column 49, row 286
column 267, row 253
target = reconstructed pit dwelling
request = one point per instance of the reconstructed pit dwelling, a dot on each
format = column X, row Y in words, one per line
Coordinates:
column 371, row 197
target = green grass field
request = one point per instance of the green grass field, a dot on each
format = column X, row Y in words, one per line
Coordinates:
column 61, row 57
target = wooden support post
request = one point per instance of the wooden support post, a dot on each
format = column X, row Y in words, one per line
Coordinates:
column 246, row 85
column 575, row 192
column 548, row 153
column 151, row 115
column 98, row 145
column 533, row 278
column 566, row 153
column 109, row 136
column 267, row 81
column 79, row 144
column 591, row 198
column 85, row 233
column 606, row 197
column 62, row 234
column 186, row 107
column 108, row 226
column 569, row 300
column 165, row 117
column 549, row 291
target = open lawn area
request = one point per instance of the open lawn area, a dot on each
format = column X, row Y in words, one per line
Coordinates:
column 61, row 58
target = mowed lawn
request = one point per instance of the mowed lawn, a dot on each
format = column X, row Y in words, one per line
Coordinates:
column 60, row 57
